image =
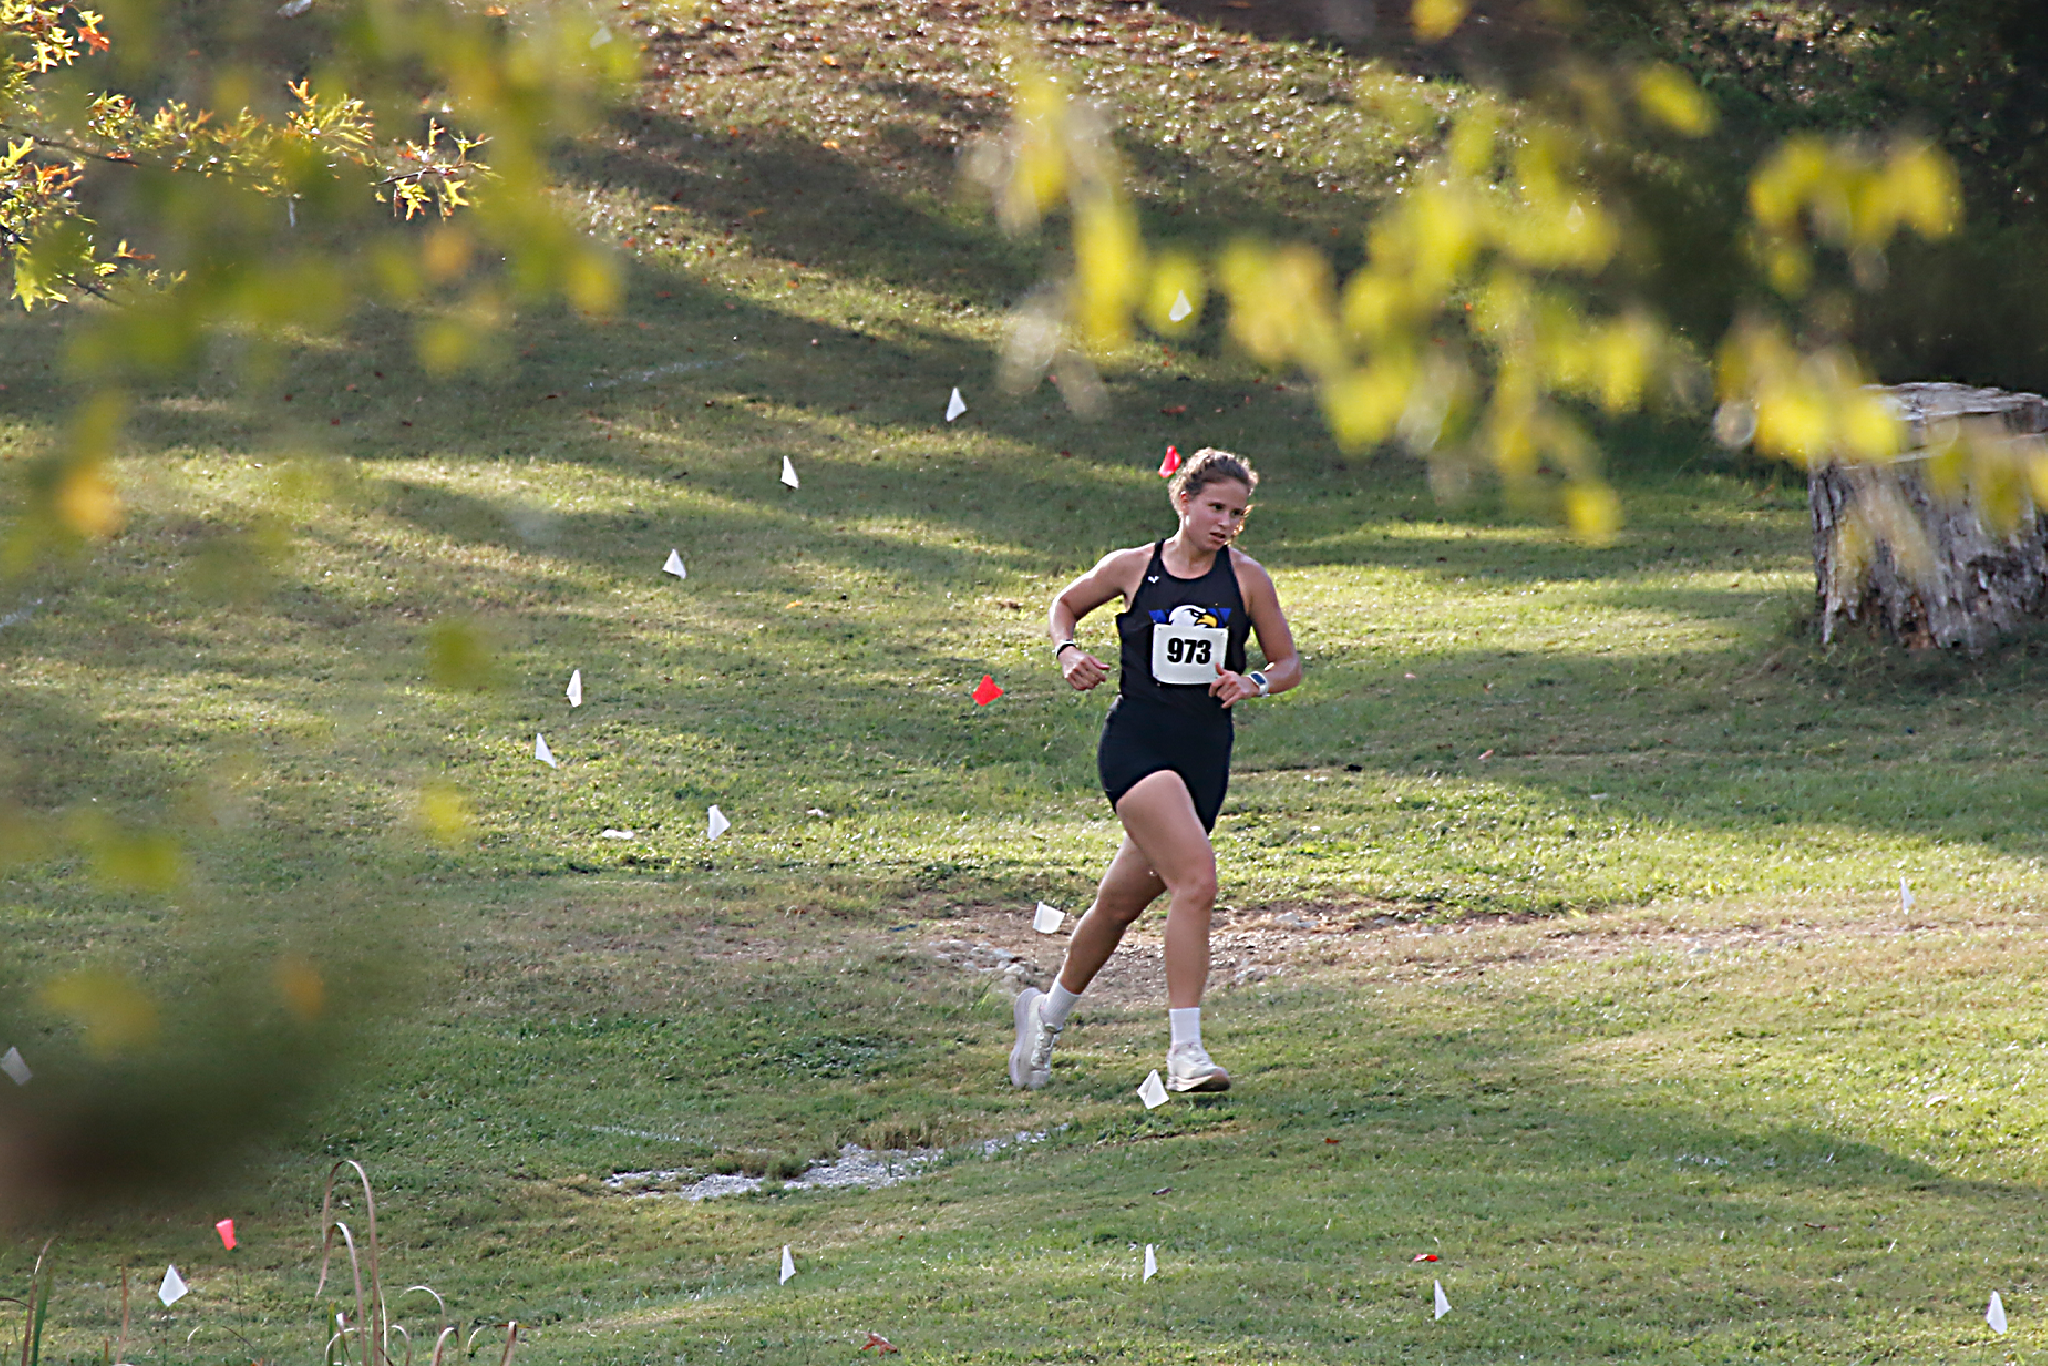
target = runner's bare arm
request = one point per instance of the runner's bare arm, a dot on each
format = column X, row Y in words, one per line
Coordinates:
column 1111, row 578
column 1276, row 641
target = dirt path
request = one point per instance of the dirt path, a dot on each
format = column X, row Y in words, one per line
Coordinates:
column 1249, row 946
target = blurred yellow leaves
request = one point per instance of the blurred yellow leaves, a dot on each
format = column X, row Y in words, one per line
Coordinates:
column 1109, row 268
column 1488, row 319
column 115, row 1015
column 1848, row 194
column 127, row 859
column 1281, row 305
column 1805, row 406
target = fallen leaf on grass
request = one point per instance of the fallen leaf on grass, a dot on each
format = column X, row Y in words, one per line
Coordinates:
column 1173, row 410
column 882, row 1345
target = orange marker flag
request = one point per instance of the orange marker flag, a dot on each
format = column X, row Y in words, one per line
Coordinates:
column 986, row 691
column 1168, row 466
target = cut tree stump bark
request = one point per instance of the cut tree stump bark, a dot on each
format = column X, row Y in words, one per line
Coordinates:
column 1904, row 548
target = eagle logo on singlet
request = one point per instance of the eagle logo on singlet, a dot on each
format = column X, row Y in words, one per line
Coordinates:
column 1187, row 615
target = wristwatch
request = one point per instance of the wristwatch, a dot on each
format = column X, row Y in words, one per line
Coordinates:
column 1260, row 679
column 1064, row 645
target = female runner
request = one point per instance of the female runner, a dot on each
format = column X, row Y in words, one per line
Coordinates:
column 1189, row 601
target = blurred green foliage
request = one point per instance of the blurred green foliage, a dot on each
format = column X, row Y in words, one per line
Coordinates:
column 179, row 175
column 236, row 168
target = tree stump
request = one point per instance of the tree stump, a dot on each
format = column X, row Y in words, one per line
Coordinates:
column 1906, row 548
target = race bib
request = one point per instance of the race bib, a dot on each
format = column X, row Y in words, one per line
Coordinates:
column 1183, row 653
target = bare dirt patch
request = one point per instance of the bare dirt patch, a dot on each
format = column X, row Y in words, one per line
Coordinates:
column 1250, row 945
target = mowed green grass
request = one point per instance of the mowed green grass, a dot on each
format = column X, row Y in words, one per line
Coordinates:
column 1627, row 1133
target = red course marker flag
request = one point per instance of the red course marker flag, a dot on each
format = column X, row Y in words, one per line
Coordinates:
column 986, row 691
column 881, row 1345
column 1168, row 466
column 226, row 1229
column 1425, row 1256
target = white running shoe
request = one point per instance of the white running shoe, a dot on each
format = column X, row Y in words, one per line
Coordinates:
column 1190, row 1068
column 1031, row 1059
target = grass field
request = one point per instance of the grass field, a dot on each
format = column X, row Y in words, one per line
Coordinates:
column 1564, row 937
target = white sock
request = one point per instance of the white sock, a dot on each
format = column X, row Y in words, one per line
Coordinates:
column 1186, row 1024
column 1059, row 1003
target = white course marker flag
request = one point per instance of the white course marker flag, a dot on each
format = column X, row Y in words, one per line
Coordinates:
column 173, row 1289
column 1047, row 920
column 1995, row 1315
column 14, row 1067
column 1443, row 1303
column 542, row 752
column 719, row 824
column 788, row 472
column 1153, row 1092
column 1905, row 897
column 956, row 405
column 1151, row 1263
column 575, row 693
column 1181, row 307
column 788, row 1265
column 675, row 565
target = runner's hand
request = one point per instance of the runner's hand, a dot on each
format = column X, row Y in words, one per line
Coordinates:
column 1232, row 687
column 1081, row 669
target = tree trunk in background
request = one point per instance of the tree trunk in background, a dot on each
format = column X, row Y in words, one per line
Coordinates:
column 1919, row 566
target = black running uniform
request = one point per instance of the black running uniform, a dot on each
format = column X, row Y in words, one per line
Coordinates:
column 1174, row 634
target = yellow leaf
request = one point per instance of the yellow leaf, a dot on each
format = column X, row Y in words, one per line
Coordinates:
column 446, row 253
column 592, row 282
column 1109, row 264
column 1593, row 511
column 1438, row 19
column 444, row 813
column 115, row 1013
column 1363, row 406
column 1925, row 187
column 2036, row 454
column 1787, row 180
column 1473, row 140
column 445, row 345
column 1869, row 429
column 1174, row 274
column 88, row 504
column 1669, row 96
column 1792, row 422
column 458, row 656
column 300, row 987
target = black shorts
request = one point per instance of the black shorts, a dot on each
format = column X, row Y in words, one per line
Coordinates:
column 1140, row 739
